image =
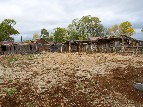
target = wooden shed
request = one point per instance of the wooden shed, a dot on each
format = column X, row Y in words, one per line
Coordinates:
column 42, row 45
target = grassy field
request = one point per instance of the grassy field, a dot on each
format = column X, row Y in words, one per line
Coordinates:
column 70, row 80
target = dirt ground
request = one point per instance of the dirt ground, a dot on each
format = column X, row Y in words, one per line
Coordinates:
column 70, row 80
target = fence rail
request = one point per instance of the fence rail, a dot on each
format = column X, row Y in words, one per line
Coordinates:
column 36, row 48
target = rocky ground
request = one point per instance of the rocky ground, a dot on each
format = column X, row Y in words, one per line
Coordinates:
column 70, row 80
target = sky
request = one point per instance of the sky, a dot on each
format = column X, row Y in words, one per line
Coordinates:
column 33, row 15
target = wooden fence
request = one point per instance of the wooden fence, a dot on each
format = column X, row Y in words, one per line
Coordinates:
column 18, row 49
column 99, row 45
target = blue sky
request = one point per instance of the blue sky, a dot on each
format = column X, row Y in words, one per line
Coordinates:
column 33, row 15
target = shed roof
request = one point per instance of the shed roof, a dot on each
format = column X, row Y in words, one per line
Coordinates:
column 42, row 41
column 6, row 43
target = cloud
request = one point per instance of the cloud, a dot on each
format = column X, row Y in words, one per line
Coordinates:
column 33, row 15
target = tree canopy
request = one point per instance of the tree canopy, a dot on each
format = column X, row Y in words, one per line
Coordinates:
column 126, row 28
column 72, row 32
column 35, row 36
column 87, row 26
column 7, row 29
column 44, row 34
column 79, row 29
column 50, row 37
column 60, row 34
column 114, row 30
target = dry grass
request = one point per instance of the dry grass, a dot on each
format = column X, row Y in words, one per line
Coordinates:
column 70, row 80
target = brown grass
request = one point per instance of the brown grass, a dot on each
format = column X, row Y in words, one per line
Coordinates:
column 71, row 80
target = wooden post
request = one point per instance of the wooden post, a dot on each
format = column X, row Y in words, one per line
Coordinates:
column 91, row 47
column 102, row 47
column 86, row 47
column 69, row 46
column 123, row 47
column 137, row 48
column 79, row 47
column 36, row 47
column 96, row 47
column 12, row 49
column 0, row 50
column 61, row 48
column 7, row 51
column 105, row 49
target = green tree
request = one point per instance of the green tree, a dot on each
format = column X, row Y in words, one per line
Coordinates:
column 85, row 27
column 90, row 26
column 35, row 36
column 44, row 34
column 50, row 38
column 114, row 30
column 142, row 30
column 72, row 32
column 105, row 32
column 60, row 34
column 7, row 29
column 126, row 28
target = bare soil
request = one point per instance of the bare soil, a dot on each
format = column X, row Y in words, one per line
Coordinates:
column 70, row 80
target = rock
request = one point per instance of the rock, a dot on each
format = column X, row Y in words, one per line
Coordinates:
column 55, row 67
column 138, row 86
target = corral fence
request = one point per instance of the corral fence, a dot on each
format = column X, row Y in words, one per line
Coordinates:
column 104, row 44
